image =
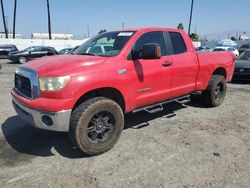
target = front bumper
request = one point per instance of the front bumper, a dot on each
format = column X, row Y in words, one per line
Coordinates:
column 53, row 121
column 241, row 76
column 12, row 58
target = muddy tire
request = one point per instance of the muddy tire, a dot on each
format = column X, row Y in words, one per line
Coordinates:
column 216, row 91
column 96, row 125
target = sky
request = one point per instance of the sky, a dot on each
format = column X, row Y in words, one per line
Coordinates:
column 73, row 16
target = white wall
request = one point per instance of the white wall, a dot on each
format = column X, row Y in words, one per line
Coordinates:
column 57, row 44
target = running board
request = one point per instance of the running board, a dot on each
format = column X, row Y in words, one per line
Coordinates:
column 159, row 106
column 183, row 101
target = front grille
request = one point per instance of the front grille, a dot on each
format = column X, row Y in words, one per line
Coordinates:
column 242, row 70
column 23, row 85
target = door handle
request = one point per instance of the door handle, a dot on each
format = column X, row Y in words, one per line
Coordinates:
column 167, row 64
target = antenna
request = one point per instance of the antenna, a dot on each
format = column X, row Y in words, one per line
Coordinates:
column 88, row 30
column 123, row 25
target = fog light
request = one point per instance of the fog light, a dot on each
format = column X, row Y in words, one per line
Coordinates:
column 47, row 120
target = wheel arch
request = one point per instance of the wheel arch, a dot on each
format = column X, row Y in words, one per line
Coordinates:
column 220, row 71
column 108, row 92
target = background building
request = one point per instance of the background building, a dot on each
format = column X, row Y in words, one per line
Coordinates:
column 243, row 36
column 10, row 35
column 54, row 36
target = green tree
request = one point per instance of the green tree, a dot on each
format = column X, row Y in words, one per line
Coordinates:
column 180, row 26
column 194, row 37
column 233, row 38
column 102, row 31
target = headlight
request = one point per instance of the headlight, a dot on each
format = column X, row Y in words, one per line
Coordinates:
column 53, row 83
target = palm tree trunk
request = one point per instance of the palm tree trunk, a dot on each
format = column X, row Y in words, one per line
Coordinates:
column 4, row 23
column 14, row 20
column 49, row 23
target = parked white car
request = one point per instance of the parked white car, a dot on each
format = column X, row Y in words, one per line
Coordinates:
column 226, row 48
column 203, row 49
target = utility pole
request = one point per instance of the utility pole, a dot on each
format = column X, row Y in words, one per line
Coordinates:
column 190, row 19
column 4, row 23
column 123, row 25
column 49, row 22
column 14, row 19
column 7, row 24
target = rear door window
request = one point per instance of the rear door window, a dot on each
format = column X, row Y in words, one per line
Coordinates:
column 44, row 49
column 178, row 43
column 37, row 49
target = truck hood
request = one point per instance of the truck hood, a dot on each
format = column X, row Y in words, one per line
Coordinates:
column 65, row 64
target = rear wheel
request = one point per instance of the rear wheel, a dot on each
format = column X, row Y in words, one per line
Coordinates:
column 22, row 60
column 96, row 125
column 216, row 91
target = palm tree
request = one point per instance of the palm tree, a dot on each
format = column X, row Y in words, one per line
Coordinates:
column 180, row 26
column 14, row 20
column 4, row 23
column 49, row 23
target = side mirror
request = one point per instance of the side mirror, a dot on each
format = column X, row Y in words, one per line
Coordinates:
column 151, row 51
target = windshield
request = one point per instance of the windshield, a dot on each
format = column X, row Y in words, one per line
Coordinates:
column 245, row 56
column 105, row 44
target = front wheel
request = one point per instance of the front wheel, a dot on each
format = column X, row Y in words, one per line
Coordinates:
column 96, row 125
column 22, row 60
column 216, row 91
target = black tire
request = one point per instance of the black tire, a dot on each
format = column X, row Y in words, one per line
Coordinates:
column 216, row 91
column 84, row 125
column 22, row 60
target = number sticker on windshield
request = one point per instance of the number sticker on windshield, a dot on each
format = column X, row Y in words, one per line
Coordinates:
column 125, row 34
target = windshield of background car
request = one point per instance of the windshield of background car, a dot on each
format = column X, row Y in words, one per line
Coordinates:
column 245, row 56
column 245, row 46
column 106, row 44
column 219, row 49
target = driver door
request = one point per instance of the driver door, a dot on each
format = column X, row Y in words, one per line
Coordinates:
column 149, row 79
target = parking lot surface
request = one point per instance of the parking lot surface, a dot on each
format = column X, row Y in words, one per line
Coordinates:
column 183, row 146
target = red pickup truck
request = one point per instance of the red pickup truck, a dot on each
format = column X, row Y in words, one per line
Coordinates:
column 88, row 92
